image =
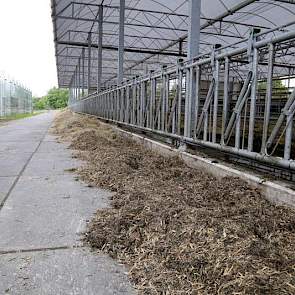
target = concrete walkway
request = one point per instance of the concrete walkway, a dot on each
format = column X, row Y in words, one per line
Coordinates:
column 43, row 209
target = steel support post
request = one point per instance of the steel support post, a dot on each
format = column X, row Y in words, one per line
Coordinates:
column 153, row 102
column 121, row 42
column 194, row 28
column 89, row 62
column 133, row 121
column 268, row 97
column 163, row 98
column 83, row 71
column 70, row 92
column 288, row 137
column 77, row 83
column 167, row 90
column 79, row 78
column 74, row 80
column 225, row 98
column 193, row 51
column 118, row 103
column 179, row 110
column 127, row 111
column 197, row 99
column 142, row 103
column 238, row 131
column 253, row 101
column 122, row 104
column 99, row 47
column 189, row 105
column 137, row 101
column 215, row 105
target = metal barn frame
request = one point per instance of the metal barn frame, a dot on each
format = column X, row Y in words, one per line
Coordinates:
column 199, row 72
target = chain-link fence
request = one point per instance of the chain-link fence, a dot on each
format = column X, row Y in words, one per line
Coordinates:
column 14, row 98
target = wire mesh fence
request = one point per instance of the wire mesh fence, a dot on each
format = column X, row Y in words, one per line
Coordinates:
column 14, row 98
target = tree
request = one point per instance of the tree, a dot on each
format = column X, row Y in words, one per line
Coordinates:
column 57, row 98
column 277, row 86
column 40, row 103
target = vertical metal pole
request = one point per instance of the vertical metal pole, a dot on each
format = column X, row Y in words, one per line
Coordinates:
column 74, row 83
column 153, row 101
column 268, row 96
column 127, row 111
column 225, row 98
column 197, row 100
column 79, row 78
column 121, row 42
column 215, row 106
column 288, row 137
column 194, row 28
column 142, row 103
column 133, row 121
column 188, row 103
column 180, row 78
column 138, row 91
column 163, row 98
column 89, row 62
column 167, row 90
column 77, row 83
column 238, row 131
column 253, row 101
column 193, row 51
column 83, row 72
column 99, row 47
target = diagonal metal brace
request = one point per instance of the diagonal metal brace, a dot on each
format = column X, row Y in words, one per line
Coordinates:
column 289, row 109
column 239, row 106
column 207, row 102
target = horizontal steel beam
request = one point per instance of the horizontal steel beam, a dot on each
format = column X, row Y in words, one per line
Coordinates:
column 135, row 50
column 85, row 19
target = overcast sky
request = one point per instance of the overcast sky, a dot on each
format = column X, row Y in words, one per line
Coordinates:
column 26, row 43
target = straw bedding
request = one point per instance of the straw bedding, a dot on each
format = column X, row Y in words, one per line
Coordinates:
column 179, row 230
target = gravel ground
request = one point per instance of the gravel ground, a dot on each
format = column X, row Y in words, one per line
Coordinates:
column 180, row 231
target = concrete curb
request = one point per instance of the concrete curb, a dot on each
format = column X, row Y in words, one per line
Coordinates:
column 273, row 191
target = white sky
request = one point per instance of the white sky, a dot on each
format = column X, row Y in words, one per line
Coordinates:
column 26, row 43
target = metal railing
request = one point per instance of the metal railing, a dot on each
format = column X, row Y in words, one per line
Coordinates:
column 212, row 101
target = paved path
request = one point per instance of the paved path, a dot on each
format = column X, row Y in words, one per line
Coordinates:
column 42, row 212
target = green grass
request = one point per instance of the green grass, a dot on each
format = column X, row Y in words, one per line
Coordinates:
column 18, row 116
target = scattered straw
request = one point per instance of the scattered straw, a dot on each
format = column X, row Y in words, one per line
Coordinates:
column 181, row 231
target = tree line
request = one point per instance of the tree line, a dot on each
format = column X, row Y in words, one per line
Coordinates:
column 56, row 98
